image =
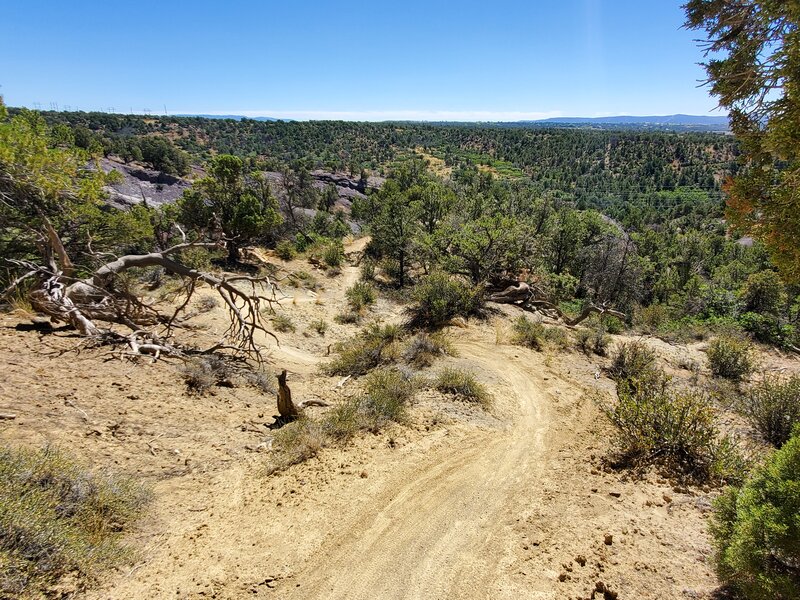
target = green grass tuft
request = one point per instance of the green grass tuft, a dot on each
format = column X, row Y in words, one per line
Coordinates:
column 57, row 519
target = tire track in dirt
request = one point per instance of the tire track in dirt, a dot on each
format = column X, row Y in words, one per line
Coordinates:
column 437, row 532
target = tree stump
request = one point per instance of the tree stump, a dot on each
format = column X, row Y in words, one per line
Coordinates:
column 286, row 407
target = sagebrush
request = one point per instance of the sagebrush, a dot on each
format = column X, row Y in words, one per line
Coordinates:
column 58, row 518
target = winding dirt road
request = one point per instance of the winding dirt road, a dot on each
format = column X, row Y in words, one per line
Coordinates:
column 437, row 531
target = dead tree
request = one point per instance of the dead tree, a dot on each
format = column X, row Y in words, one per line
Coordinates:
column 524, row 296
column 288, row 410
column 85, row 302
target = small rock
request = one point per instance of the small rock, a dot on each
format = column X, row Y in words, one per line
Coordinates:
column 667, row 498
column 609, row 539
column 581, row 560
column 602, row 588
column 615, row 494
column 562, row 576
column 363, row 475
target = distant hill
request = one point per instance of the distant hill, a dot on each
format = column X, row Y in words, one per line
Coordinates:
column 234, row 117
column 634, row 120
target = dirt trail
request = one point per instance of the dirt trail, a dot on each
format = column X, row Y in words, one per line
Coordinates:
column 437, row 532
column 453, row 504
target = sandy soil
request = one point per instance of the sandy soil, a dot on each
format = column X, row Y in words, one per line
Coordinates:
column 458, row 503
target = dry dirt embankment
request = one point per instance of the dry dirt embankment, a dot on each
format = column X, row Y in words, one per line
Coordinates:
column 451, row 505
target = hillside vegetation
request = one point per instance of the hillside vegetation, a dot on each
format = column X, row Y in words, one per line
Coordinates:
column 570, row 241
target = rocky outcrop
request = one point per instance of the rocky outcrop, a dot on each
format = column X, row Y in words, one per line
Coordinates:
column 139, row 184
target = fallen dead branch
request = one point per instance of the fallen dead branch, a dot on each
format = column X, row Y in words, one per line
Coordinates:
column 83, row 303
column 522, row 295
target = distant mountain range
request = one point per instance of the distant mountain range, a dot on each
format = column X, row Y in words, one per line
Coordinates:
column 663, row 122
column 632, row 120
column 234, row 117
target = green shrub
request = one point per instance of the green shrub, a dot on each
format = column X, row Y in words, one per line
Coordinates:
column 731, row 358
column 368, row 270
column 632, row 360
column 360, row 296
column 675, row 427
column 283, row 323
column 528, row 333
column 764, row 292
column 285, row 250
column 348, row 318
column 612, row 324
column 364, row 352
column 438, row 298
column 333, row 254
column 461, row 384
column 295, row 443
column 768, row 329
column 58, row 519
column 652, row 317
column 386, row 394
column 320, row 326
column 773, row 407
column 756, row 529
column 592, row 340
column 422, row 349
column 533, row 334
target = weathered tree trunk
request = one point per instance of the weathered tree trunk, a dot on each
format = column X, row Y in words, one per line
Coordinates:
column 95, row 298
column 521, row 294
column 286, row 407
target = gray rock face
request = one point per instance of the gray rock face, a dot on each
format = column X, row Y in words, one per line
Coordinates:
column 140, row 184
column 157, row 188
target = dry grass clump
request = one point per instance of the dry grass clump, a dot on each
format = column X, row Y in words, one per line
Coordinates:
column 203, row 373
column 58, row 519
column 423, row 349
column 283, row 323
column 463, row 385
column 592, row 341
column 207, row 304
column 370, row 348
column 348, row 318
column 320, row 326
column 384, row 399
column 295, row 443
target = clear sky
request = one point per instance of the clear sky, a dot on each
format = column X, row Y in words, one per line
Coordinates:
column 408, row 59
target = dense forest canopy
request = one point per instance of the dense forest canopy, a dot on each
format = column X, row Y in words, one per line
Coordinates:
column 631, row 175
column 627, row 218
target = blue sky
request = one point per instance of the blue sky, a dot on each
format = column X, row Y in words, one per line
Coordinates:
column 411, row 59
